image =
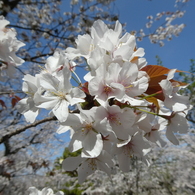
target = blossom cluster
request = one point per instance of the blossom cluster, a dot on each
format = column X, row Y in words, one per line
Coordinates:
column 44, row 191
column 9, row 45
column 166, row 31
column 123, row 106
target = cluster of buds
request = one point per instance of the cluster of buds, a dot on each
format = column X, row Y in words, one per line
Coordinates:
column 123, row 105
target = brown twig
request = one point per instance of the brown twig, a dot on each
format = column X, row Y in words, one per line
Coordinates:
column 20, row 130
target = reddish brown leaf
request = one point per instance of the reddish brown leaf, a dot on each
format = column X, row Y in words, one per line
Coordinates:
column 155, row 70
column 154, row 90
column 18, row 98
column 3, row 104
column 157, row 73
column 14, row 101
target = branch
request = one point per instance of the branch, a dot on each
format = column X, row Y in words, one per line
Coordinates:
column 39, row 30
column 20, row 130
column 32, row 59
column 10, row 92
column 30, row 142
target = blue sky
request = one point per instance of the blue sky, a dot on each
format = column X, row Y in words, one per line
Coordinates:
column 177, row 52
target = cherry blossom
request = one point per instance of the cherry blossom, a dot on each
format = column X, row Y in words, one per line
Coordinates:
column 27, row 106
column 176, row 123
column 58, row 94
column 108, row 43
column 87, row 166
column 57, row 62
column 133, row 146
column 88, row 132
column 123, row 107
column 174, row 100
column 121, row 120
column 117, row 82
column 44, row 191
column 9, row 45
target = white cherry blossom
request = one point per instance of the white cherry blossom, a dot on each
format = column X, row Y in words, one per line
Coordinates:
column 57, row 94
column 113, row 114
column 121, row 120
column 110, row 43
column 177, row 123
column 57, row 62
column 87, row 166
column 88, row 132
column 27, row 106
column 173, row 100
column 44, row 191
column 133, row 146
column 117, row 81
column 9, row 45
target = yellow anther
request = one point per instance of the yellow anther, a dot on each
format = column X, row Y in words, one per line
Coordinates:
column 91, row 47
column 59, row 94
column 129, row 86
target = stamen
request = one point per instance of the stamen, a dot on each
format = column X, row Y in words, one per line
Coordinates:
column 60, row 94
column 92, row 164
column 91, row 47
column 128, row 150
column 129, row 86
column 88, row 127
column 107, row 89
column 114, row 119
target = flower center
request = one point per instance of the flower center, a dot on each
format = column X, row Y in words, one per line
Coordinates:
column 107, row 90
column 60, row 94
column 113, row 118
column 88, row 127
column 92, row 164
column 128, row 150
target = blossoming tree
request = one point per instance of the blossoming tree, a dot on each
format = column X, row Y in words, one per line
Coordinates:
column 122, row 106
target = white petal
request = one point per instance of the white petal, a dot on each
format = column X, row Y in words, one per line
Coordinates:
column 171, row 74
column 64, row 84
column 171, row 137
column 124, row 161
column 46, row 102
column 92, row 144
column 76, row 143
column 76, row 96
column 31, row 115
column 22, row 105
column 47, row 191
column 49, row 82
column 167, row 87
column 106, row 158
column 61, row 110
column 71, row 163
column 33, row 191
column 73, row 120
column 103, row 167
column 86, row 169
column 63, row 129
